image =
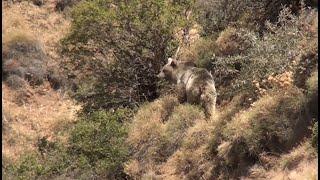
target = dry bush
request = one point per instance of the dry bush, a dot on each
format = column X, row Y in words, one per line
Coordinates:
column 146, row 137
column 192, row 160
column 275, row 122
column 289, row 45
column 291, row 160
column 16, row 82
column 22, row 97
column 232, row 41
column 23, row 56
column 314, row 138
column 299, row 163
column 199, row 52
column 56, row 79
column 188, row 164
column 312, row 83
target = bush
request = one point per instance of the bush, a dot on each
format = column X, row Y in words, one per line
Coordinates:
column 23, row 56
column 199, row 52
column 96, row 148
column 214, row 16
column 16, row 82
column 98, row 139
column 281, row 49
column 233, row 41
column 118, row 62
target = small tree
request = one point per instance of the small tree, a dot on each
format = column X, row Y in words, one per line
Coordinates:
column 117, row 47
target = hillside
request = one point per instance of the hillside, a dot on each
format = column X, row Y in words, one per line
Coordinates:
column 82, row 100
column 32, row 113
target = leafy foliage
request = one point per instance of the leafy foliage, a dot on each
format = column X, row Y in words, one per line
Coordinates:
column 242, row 57
column 117, row 48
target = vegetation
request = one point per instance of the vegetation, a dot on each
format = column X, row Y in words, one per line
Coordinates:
column 132, row 42
column 263, row 56
column 315, row 135
column 96, row 148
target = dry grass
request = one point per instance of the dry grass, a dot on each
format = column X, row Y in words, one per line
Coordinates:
column 40, row 111
column 272, row 123
column 153, row 139
column 43, row 23
column 185, row 146
column 47, row 114
column 232, row 41
column 300, row 163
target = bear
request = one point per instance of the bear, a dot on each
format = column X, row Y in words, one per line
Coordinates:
column 194, row 85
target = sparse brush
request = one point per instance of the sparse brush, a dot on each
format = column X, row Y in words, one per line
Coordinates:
column 16, row 82
column 24, row 56
column 232, row 41
column 281, row 49
column 22, row 96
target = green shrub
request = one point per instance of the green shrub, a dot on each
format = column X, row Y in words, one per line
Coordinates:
column 214, row 16
column 98, row 139
column 117, row 63
column 255, row 58
column 96, row 148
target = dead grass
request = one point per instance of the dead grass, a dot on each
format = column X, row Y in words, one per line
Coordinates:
column 185, row 146
column 300, row 163
column 47, row 111
column 276, row 121
column 232, row 41
column 153, row 139
column 43, row 23
column 39, row 111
